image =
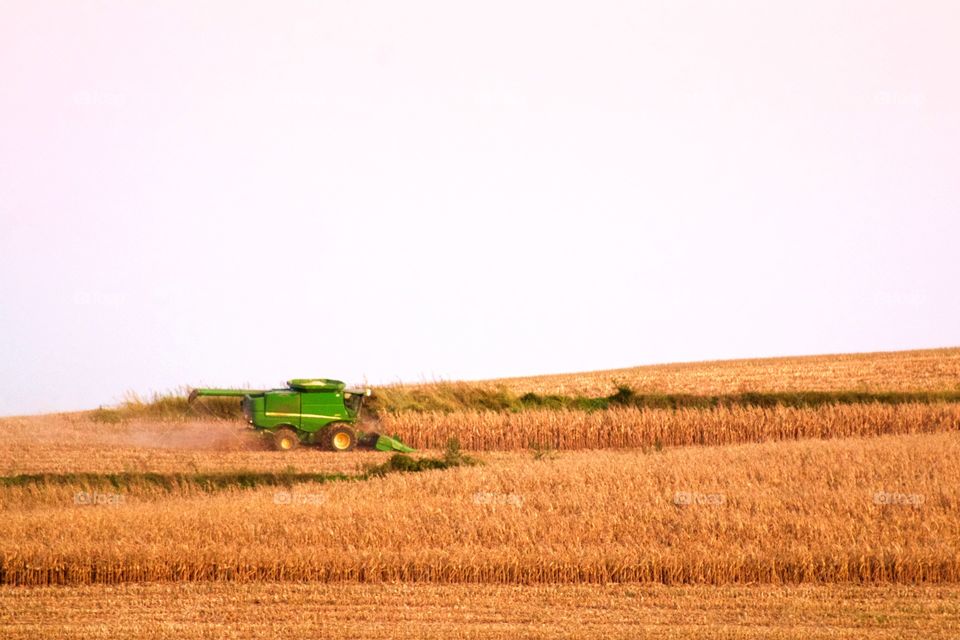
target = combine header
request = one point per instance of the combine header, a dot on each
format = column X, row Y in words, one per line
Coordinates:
column 309, row 411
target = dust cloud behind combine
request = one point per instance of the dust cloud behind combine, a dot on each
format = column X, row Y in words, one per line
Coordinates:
column 202, row 434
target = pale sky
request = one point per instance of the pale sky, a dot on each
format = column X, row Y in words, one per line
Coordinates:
column 232, row 193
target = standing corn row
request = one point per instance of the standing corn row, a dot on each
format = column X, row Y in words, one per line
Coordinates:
column 641, row 428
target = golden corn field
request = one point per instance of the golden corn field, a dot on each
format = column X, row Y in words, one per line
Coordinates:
column 733, row 521
column 687, row 515
column 640, row 428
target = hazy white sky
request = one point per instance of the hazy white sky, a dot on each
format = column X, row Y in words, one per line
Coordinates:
column 229, row 193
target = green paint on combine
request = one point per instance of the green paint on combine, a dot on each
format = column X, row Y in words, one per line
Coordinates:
column 310, row 411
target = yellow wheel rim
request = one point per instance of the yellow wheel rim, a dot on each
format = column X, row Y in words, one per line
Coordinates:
column 341, row 441
column 285, row 443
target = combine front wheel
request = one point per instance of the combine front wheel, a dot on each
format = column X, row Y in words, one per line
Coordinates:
column 341, row 438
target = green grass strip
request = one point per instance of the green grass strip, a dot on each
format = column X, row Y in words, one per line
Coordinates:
column 500, row 400
column 170, row 481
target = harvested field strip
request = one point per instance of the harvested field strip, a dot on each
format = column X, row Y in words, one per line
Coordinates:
column 232, row 480
column 646, row 428
column 495, row 612
column 38, row 457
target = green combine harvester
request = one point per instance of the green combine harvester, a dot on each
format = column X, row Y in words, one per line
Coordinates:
column 312, row 411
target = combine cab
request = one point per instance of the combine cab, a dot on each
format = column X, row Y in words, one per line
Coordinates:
column 309, row 411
